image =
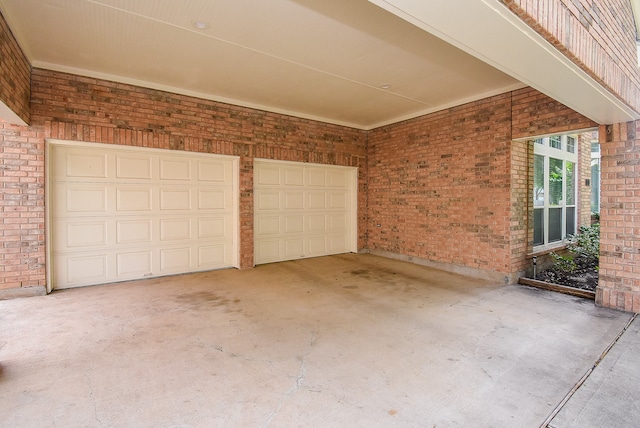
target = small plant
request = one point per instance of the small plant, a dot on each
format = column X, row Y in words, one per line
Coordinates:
column 585, row 248
column 586, row 244
column 564, row 264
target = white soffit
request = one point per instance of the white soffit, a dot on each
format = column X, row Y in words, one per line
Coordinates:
column 489, row 31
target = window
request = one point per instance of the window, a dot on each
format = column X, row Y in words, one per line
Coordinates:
column 554, row 189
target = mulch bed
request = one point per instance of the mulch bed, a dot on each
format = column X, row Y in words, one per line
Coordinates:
column 584, row 278
column 582, row 282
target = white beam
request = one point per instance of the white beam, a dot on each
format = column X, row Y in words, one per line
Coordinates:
column 489, row 31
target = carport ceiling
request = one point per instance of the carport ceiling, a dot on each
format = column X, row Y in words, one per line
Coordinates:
column 325, row 60
column 360, row 63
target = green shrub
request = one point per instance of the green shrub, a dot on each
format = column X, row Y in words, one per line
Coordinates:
column 562, row 263
column 584, row 246
column 586, row 243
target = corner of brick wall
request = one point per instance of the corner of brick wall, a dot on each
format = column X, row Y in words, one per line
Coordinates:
column 15, row 74
column 619, row 285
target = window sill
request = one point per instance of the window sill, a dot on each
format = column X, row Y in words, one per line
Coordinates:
column 546, row 249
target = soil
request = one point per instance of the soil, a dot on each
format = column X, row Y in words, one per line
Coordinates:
column 585, row 277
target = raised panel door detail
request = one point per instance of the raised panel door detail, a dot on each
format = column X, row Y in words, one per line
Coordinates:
column 215, row 172
column 175, row 259
column 268, row 225
column 317, row 177
column 294, row 177
column 175, row 199
column 133, row 231
column 178, row 169
column 136, row 167
column 175, row 229
column 317, row 245
column 212, row 199
column 86, row 234
column 338, row 179
column 86, row 165
column 294, row 201
column 211, row 255
column 213, row 227
column 337, row 200
column 294, row 248
column 317, row 200
column 83, row 268
column 134, row 263
column 317, row 223
column 268, row 176
column 294, row 224
column 268, row 201
column 87, row 200
column 133, row 199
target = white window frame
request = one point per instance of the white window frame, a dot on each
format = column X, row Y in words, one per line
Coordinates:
column 563, row 154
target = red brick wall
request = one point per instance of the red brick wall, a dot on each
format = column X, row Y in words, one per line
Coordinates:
column 452, row 187
column 22, row 242
column 14, row 74
column 70, row 107
column 597, row 35
column 619, row 285
column 584, row 173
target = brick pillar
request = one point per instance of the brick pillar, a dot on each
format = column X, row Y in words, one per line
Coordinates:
column 619, row 285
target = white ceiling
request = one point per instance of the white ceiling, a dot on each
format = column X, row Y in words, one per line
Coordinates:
column 321, row 59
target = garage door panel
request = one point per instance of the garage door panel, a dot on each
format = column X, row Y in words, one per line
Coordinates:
column 136, row 231
column 134, row 199
column 83, row 199
column 299, row 222
column 214, row 172
column 86, row 164
column 175, row 259
column 316, row 200
column 175, row 229
column 214, row 199
column 210, row 256
column 294, row 248
column 337, row 222
column 294, row 224
column 86, row 233
column 142, row 213
column 293, row 176
column 317, row 177
column 337, row 200
column 268, row 226
column 175, row 169
column 134, row 264
column 267, row 175
column 79, row 269
column 317, row 246
column 268, row 201
column 338, row 179
column 175, row 199
column 212, row 227
column 294, row 201
column 133, row 167
column 317, row 223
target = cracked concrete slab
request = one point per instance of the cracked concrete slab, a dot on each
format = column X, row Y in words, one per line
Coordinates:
column 350, row 340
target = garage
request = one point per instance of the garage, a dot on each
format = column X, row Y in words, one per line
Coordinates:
column 122, row 213
column 303, row 210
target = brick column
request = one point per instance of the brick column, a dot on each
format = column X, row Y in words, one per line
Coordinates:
column 619, row 285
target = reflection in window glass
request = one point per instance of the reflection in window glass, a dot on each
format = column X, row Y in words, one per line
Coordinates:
column 538, row 226
column 538, row 181
column 570, row 197
column 555, row 181
column 571, row 144
column 555, row 142
column 555, row 224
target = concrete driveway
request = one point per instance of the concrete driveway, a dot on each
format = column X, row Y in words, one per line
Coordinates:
column 341, row 341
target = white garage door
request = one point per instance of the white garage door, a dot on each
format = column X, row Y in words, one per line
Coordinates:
column 303, row 210
column 121, row 213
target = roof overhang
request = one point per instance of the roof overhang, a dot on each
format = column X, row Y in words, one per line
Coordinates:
column 510, row 45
